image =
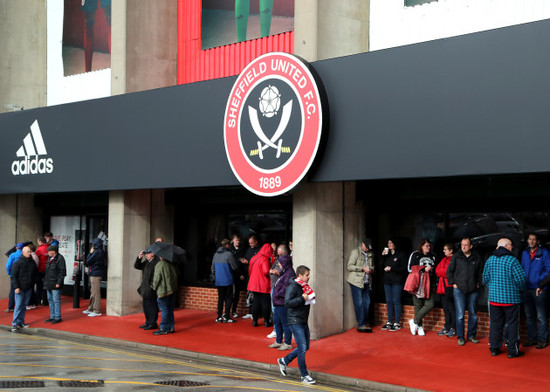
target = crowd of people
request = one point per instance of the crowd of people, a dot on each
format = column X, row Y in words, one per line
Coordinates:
column 458, row 278
column 37, row 275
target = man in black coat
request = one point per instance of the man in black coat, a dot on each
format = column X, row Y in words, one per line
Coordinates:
column 146, row 262
column 23, row 275
column 53, row 282
column 465, row 274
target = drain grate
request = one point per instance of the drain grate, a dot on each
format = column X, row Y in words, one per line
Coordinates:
column 182, row 383
column 80, row 384
column 21, row 384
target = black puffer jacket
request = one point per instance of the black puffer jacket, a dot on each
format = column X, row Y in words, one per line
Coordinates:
column 55, row 272
column 23, row 273
column 297, row 310
column 466, row 272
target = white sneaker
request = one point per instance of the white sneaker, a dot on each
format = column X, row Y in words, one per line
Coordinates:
column 413, row 326
column 421, row 331
column 308, row 380
column 92, row 314
column 30, row 307
column 86, row 311
column 247, row 316
column 273, row 334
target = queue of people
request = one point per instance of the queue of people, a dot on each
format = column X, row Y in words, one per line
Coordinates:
column 37, row 276
column 458, row 278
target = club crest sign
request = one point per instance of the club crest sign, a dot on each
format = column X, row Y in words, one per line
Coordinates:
column 272, row 124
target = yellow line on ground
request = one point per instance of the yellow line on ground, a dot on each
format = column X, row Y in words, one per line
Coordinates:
column 156, row 359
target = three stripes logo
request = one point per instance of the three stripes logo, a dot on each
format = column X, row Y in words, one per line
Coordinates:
column 30, row 152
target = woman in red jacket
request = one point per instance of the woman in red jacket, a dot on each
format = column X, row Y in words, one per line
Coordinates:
column 259, row 284
column 446, row 292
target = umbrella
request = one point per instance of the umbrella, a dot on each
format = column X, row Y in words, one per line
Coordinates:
column 10, row 251
column 168, row 252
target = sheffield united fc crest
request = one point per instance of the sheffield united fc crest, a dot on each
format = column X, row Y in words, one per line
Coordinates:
column 272, row 124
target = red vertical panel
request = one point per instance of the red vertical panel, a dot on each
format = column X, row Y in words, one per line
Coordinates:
column 195, row 64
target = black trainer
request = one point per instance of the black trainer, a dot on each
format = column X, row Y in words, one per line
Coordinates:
column 386, row 326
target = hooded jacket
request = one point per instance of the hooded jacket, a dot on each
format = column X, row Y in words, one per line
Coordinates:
column 224, row 264
column 465, row 272
column 42, row 253
column 286, row 276
column 258, row 271
column 97, row 260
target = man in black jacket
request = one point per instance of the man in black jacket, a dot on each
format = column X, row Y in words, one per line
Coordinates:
column 150, row 306
column 298, row 298
column 465, row 274
column 23, row 275
column 53, row 282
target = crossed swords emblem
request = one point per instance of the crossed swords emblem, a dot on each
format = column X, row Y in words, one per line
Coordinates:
column 276, row 138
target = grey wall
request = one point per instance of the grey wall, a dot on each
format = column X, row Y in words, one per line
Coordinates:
column 23, row 53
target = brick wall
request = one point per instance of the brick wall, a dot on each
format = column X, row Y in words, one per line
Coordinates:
column 434, row 321
column 206, row 298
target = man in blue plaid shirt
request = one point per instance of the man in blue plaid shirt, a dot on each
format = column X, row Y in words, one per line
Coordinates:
column 505, row 278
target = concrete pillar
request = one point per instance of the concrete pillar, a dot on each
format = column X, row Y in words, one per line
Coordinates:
column 8, row 218
column 136, row 218
column 129, row 233
column 20, row 221
column 118, row 47
column 327, row 28
column 327, row 224
column 317, row 221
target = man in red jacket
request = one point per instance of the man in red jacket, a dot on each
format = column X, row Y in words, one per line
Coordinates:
column 42, row 253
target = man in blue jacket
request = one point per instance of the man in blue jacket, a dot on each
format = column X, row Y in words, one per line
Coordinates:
column 223, row 265
column 536, row 263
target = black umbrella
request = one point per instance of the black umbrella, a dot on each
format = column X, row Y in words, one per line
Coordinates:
column 10, row 251
column 168, row 252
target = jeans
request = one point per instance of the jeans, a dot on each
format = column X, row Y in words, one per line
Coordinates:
column 501, row 317
column 361, row 303
column 21, row 301
column 54, row 299
column 535, row 309
column 461, row 300
column 393, row 302
column 225, row 296
column 279, row 321
column 448, row 303
column 301, row 337
column 166, row 306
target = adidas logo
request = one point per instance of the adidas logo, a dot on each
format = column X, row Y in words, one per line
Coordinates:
column 33, row 147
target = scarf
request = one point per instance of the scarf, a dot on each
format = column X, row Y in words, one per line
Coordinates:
column 307, row 290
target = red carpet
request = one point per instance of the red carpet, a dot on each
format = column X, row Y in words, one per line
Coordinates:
column 431, row 362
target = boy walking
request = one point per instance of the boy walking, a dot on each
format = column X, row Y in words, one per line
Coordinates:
column 299, row 295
